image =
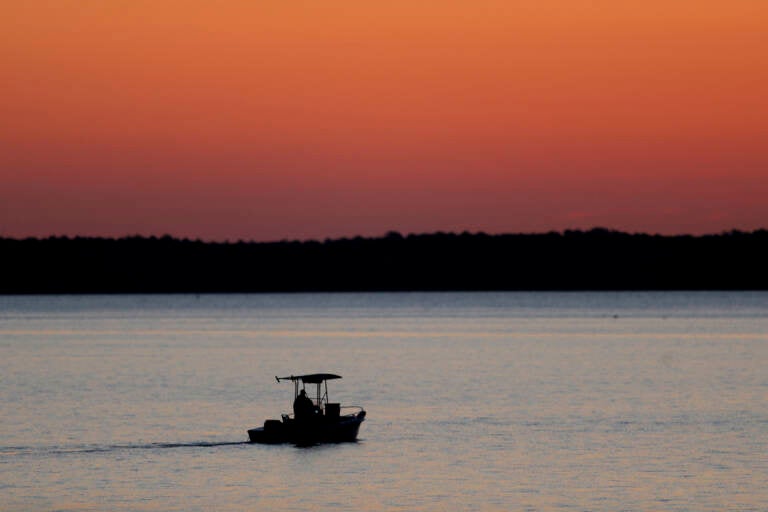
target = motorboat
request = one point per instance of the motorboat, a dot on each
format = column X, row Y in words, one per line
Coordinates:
column 315, row 418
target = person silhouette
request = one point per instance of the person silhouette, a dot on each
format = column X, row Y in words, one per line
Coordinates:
column 302, row 406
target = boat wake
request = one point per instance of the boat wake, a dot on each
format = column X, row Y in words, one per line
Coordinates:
column 15, row 451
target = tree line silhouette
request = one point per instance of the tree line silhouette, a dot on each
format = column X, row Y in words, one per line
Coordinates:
column 598, row 259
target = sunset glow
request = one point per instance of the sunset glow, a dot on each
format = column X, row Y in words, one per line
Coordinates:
column 268, row 120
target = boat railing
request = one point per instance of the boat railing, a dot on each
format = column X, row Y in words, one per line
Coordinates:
column 356, row 408
column 351, row 411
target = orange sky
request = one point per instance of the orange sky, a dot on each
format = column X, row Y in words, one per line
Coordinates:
column 266, row 120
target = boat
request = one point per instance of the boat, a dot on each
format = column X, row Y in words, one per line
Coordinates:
column 315, row 419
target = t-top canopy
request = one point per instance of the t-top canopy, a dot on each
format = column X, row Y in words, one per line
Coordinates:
column 311, row 378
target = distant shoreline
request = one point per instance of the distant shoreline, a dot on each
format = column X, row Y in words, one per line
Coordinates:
column 599, row 260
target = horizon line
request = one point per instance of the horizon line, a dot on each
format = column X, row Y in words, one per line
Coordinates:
column 389, row 234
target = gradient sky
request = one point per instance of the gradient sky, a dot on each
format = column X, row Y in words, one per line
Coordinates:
column 296, row 119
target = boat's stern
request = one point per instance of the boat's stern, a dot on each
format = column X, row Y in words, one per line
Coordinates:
column 273, row 431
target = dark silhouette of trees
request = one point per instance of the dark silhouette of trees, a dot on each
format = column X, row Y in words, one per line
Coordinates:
column 598, row 259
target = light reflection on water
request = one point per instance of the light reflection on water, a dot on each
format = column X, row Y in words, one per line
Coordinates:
column 554, row 401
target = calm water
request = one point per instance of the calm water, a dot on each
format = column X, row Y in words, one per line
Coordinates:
column 478, row 401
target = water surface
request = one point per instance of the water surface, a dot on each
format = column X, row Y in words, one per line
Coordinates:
column 476, row 401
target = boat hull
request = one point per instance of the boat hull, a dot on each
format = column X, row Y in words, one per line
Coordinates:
column 344, row 429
